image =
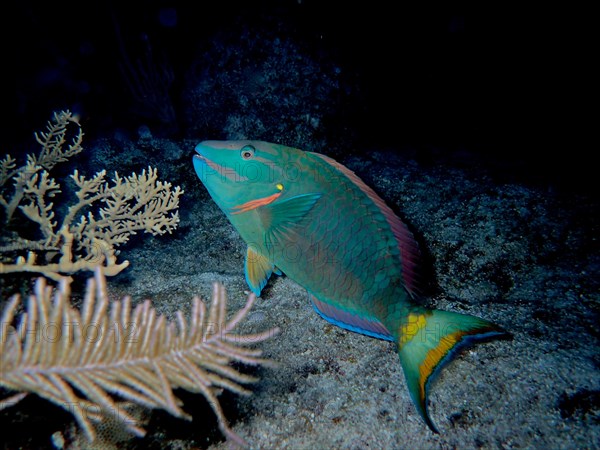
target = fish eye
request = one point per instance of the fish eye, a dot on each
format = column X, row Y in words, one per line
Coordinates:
column 247, row 152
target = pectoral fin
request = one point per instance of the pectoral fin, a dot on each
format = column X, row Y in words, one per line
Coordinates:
column 280, row 217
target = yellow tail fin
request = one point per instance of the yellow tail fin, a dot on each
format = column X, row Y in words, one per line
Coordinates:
column 430, row 338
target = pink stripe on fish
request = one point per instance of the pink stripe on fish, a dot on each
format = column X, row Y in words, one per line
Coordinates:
column 253, row 204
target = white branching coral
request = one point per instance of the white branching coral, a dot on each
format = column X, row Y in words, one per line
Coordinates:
column 55, row 149
column 105, row 215
column 99, row 361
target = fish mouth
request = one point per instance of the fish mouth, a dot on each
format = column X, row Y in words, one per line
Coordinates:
column 204, row 161
column 200, row 154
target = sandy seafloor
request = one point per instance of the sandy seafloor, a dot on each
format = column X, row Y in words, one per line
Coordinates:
column 520, row 256
column 523, row 255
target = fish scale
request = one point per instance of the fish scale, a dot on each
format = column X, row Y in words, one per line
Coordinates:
column 339, row 238
column 308, row 216
column 359, row 246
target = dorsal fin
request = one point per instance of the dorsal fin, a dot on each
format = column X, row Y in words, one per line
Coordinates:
column 409, row 249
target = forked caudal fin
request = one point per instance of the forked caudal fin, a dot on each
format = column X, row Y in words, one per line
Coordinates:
column 430, row 338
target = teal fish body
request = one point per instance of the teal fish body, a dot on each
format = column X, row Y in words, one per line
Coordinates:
column 304, row 214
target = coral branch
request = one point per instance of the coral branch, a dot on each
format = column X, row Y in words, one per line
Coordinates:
column 105, row 215
column 144, row 368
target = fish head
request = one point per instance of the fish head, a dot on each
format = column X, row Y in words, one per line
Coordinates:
column 243, row 174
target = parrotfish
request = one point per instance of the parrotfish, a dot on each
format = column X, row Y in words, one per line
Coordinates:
column 309, row 217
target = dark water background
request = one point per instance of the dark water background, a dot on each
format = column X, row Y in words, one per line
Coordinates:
column 504, row 86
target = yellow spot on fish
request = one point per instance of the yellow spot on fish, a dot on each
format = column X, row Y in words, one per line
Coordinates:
column 410, row 329
column 279, row 186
